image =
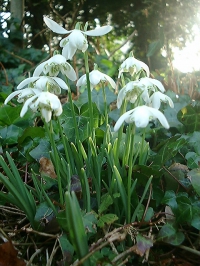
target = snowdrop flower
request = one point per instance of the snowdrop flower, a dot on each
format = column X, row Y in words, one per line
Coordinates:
column 133, row 65
column 43, row 83
column 138, row 87
column 76, row 39
column 141, row 115
column 54, row 65
column 95, row 77
column 23, row 95
column 151, row 84
column 45, row 102
column 131, row 92
column 157, row 97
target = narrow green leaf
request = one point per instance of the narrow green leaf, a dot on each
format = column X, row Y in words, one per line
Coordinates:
column 77, row 233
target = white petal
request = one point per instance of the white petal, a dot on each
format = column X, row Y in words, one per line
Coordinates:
column 26, row 104
column 81, row 81
column 120, row 97
column 111, row 81
column 61, row 83
column 39, row 69
column 26, row 81
column 78, row 40
column 140, row 116
column 158, row 84
column 160, row 116
column 57, row 59
column 95, row 77
column 155, row 100
column 122, row 119
column 55, row 27
column 145, row 67
column 12, row 95
column 68, row 51
column 70, row 72
column 58, row 111
column 171, row 104
column 46, row 114
column 99, row 31
column 41, row 83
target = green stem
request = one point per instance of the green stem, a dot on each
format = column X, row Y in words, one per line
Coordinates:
column 130, row 171
column 73, row 116
column 105, row 105
column 143, row 150
column 141, row 200
column 89, row 92
column 63, row 137
column 120, row 131
column 49, row 130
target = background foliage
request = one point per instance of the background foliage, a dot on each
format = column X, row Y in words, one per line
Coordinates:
column 174, row 154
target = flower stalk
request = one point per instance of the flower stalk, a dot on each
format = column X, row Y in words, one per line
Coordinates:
column 49, row 130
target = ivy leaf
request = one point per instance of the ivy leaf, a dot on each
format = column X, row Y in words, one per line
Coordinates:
column 189, row 116
column 32, row 132
column 82, row 118
column 106, row 202
column 107, row 219
column 10, row 134
column 167, row 150
column 170, row 235
column 97, row 97
column 43, row 211
column 170, row 199
column 196, row 221
column 90, row 221
column 42, row 150
column 194, row 176
column 9, row 114
column 66, row 248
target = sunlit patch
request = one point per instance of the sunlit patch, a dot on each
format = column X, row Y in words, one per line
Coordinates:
column 188, row 59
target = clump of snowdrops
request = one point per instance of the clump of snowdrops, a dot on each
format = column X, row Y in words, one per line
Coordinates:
column 104, row 169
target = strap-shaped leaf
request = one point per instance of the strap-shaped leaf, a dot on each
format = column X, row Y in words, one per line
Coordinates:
column 77, row 233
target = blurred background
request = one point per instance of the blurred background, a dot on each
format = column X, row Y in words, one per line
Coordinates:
column 165, row 34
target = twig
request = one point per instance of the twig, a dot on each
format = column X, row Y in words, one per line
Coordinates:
column 125, row 253
column 147, row 205
column 180, row 184
column 38, row 251
column 4, row 70
column 121, row 45
column 19, row 57
column 30, row 230
column 193, row 251
column 49, row 262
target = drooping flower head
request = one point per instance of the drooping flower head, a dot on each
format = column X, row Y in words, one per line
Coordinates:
column 95, row 77
column 76, row 38
column 157, row 97
column 22, row 95
column 131, row 91
column 44, row 83
column 39, row 95
column 133, row 65
column 141, row 116
column 54, row 65
column 141, row 87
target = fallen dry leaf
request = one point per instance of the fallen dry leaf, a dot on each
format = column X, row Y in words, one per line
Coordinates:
column 8, row 255
column 47, row 168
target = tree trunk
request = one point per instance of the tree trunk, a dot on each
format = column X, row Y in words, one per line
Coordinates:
column 17, row 14
column 17, row 9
